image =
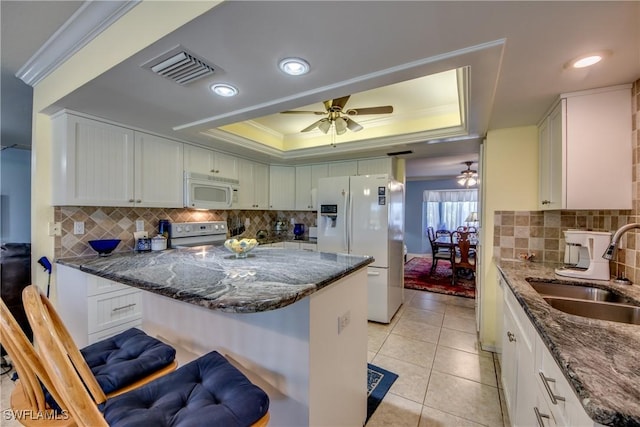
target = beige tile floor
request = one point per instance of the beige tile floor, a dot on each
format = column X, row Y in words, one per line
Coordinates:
column 445, row 379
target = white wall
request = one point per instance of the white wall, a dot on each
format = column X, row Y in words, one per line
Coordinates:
column 15, row 199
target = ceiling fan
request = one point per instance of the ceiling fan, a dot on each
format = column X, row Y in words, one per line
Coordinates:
column 339, row 116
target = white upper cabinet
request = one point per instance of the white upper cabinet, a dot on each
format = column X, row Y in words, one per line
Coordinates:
column 93, row 163
column 209, row 162
column 586, row 151
column 282, row 187
column 303, row 188
column 254, row 185
column 100, row 164
column 343, row 168
column 378, row 166
column 158, row 172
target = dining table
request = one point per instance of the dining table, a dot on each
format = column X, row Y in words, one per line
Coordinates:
column 460, row 258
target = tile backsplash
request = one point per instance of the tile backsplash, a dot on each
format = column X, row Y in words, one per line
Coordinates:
column 120, row 223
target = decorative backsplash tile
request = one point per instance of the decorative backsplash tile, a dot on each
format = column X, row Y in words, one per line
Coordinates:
column 120, row 223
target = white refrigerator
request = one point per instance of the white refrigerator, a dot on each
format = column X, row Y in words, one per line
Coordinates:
column 364, row 215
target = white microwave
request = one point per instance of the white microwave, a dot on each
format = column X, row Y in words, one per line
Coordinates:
column 209, row 192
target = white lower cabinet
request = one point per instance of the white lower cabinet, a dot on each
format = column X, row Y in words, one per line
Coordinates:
column 311, row 247
column 535, row 390
column 93, row 308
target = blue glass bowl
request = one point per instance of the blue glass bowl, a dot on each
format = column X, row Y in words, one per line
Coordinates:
column 104, row 247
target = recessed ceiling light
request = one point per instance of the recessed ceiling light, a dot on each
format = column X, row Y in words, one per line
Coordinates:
column 223, row 89
column 587, row 60
column 294, row 66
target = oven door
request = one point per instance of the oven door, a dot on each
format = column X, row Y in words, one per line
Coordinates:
column 190, row 242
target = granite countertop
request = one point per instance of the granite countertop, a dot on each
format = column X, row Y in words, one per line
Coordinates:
column 212, row 277
column 600, row 359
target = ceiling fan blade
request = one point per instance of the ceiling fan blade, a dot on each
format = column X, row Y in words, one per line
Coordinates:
column 353, row 126
column 319, row 113
column 340, row 102
column 313, row 126
column 387, row 109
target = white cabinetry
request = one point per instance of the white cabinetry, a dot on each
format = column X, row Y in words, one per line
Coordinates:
column 535, row 390
column 93, row 163
column 343, row 168
column 254, row 185
column 93, row 308
column 303, row 188
column 381, row 165
column 305, row 246
column 100, row 164
column 307, row 185
column 586, row 151
column 282, row 187
column 209, row 162
column 158, row 172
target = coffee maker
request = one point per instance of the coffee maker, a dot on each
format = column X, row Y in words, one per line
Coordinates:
column 590, row 246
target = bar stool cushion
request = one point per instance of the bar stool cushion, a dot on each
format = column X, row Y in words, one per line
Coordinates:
column 126, row 357
column 207, row 391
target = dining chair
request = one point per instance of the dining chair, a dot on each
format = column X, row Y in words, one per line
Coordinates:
column 28, row 401
column 462, row 260
column 441, row 247
column 206, row 391
column 119, row 363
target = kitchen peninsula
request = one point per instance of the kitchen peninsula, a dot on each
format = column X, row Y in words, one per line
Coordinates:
column 295, row 321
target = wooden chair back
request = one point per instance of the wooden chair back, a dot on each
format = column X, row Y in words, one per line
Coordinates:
column 62, row 366
column 464, row 245
column 27, row 398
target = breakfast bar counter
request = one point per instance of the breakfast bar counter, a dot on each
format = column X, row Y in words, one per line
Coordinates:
column 211, row 277
column 294, row 321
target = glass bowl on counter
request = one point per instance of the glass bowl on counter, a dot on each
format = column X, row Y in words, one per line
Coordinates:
column 240, row 247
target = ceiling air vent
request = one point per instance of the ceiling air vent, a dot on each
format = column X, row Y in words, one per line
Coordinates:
column 180, row 66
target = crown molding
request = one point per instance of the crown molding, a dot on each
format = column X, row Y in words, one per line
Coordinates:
column 91, row 19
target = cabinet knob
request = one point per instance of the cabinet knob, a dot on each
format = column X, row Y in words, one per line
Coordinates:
column 215, row 171
column 512, row 337
column 139, row 201
column 131, row 200
column 546, row 202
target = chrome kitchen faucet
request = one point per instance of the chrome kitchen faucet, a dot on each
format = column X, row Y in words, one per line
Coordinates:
column 613, row 246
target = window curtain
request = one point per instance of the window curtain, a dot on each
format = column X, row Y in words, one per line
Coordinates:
column 447, row 209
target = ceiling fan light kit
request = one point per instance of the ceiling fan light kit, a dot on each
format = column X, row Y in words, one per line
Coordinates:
column 337, row 115
column 469, row 177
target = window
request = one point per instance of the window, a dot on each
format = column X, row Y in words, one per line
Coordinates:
column 448, row 209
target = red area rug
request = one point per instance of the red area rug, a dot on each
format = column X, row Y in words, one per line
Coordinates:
column 416, row 276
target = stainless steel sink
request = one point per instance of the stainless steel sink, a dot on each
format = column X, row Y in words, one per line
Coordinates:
column 597, row 309
column 581, row 292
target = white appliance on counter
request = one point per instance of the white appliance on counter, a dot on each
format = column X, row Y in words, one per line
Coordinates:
column 364, row 215
column 589, row 264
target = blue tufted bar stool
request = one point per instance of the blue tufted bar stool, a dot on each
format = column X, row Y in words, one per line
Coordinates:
column 120, row 363
column 208, row 391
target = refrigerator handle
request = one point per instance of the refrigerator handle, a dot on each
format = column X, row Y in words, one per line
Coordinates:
column 347, row 222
